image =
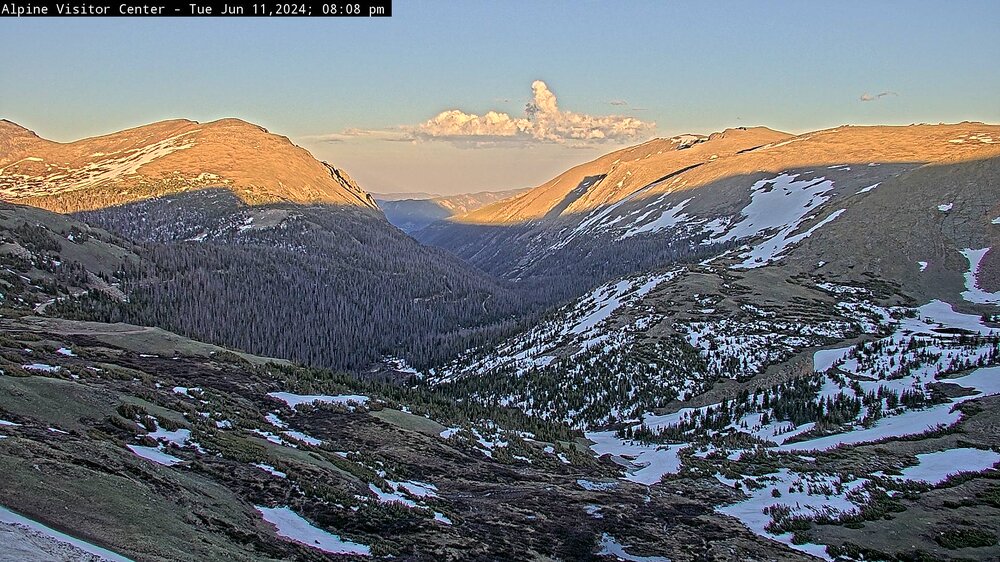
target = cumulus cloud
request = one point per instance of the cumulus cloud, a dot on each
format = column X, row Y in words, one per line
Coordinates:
column 543, row 121
column 869, row 97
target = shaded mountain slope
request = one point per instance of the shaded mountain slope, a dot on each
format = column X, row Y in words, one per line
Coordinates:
column 691, row 202
column 327, row 286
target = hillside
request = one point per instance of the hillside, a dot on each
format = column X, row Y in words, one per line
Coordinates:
column 328, row 286
column 234, row 222
column 130, row 442
column 649, row 206
column 163, row 158
column 831, row 354
column 616, row 175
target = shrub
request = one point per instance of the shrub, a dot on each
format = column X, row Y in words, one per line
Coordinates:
column 965, row 538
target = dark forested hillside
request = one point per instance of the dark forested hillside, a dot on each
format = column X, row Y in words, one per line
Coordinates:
column 328, row 286
column 527, row 254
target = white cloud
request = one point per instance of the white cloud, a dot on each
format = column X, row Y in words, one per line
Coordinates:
column 355, row 133
column 543, row 121
column 456, row 123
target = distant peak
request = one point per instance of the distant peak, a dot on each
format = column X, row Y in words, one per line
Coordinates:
column 745, row 131
column 686, row 140
column 236, row 123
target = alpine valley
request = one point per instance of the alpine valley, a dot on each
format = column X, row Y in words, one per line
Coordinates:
column 746, row 345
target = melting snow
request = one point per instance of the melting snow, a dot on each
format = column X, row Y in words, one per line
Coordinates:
column 292, row 526
column 298, row 435
column 781, row 203
column 936, row 467
column 179, row 437
column 390, row 497
column 809, row 501
column 667, row 219
column 596, row 486
column 611, row 547
column 825, row 358
column 973, row 292
column 274, row 420
column 271, row 470
column 66, row 351
column 812, row 495
column 645, row 464
column 911, row 422
column 770, row 250
column 294, row 400
column 272, row 438
column 417, row 489
column 604, row 300
column 41, row 367
column 154, row 454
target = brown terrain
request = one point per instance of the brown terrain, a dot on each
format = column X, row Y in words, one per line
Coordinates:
column 164, row 158
column 691, row 161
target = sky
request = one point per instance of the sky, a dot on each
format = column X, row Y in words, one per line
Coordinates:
column 403, row 103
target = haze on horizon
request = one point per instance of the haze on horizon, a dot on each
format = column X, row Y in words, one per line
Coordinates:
column 496, row 96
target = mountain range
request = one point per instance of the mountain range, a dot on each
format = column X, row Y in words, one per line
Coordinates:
column 747, row 345
column 411, row 212
column 649, row 205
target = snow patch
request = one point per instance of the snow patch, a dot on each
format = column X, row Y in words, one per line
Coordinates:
column 294, row 527
column 154, row 454
column 294, row 400
column 973, row 293
column 271, row 470
column 41, row 367
column 611, row 547
column 936, row 467
column 644, row 463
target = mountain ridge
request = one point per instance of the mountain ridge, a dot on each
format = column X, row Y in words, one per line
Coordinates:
column 626, row 213
column 740, row 143
column 167, row 157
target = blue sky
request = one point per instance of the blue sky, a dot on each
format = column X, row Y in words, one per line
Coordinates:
column 687, row 66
